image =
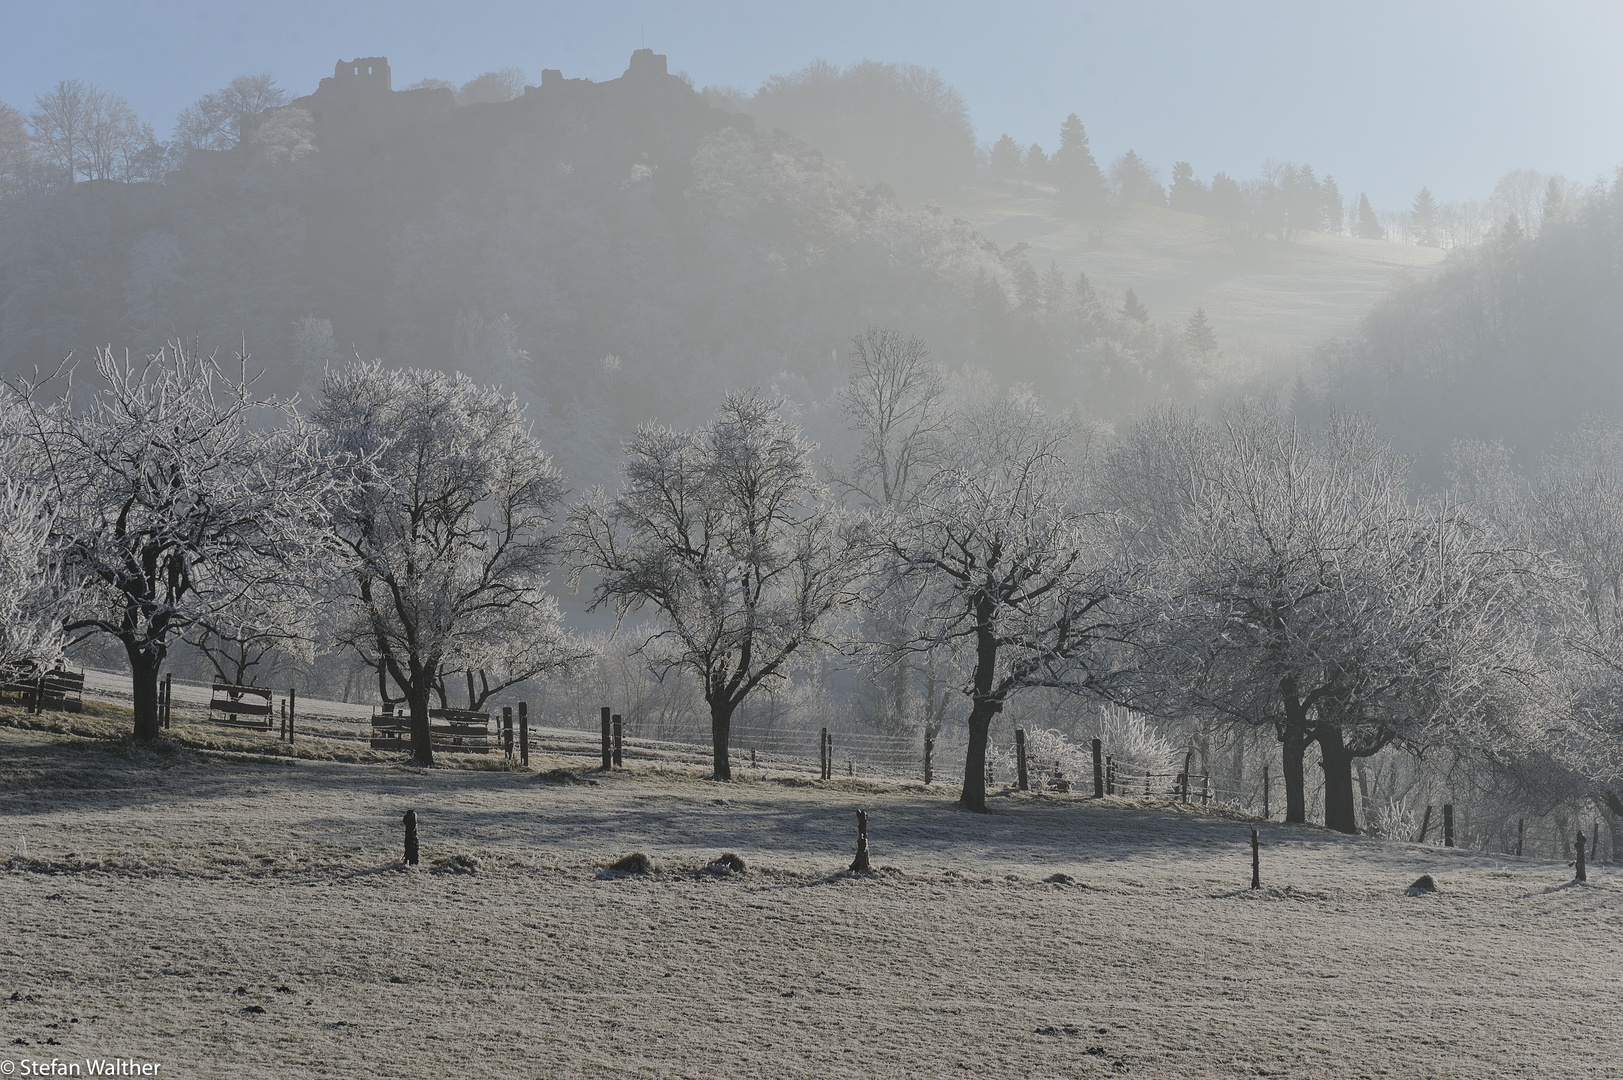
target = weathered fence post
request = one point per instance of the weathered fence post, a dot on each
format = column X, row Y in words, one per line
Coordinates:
column 1180, row 790
column 929, row 753
column 608, row 743
column 282, row 735
column 1021, row 777
column 523, row 733
column 1098, row 770
column 1265, row 814
column 1582, row 876
column 1188, row 765
column 507, row 731
column 1205, row 789
column 1146, row 783
column 822, row 755
column 850, row 766
column 1448, row 824
column 1256, row 861
column 619, row 728
column 1425, row 824
column 1521, row 833
column 860, row 863
column 411, row 837
column 292, row 711
column 168, row 699
column 1110, row 775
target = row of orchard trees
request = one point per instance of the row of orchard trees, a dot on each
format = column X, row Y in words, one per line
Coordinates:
column 973, row 545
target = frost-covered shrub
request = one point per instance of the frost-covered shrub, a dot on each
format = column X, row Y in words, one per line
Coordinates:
column 1392, row 819
column 1135, row 743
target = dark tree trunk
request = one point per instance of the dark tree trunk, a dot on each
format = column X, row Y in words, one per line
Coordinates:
column 1336, row 758
column 1294, row 737
column 984, row 708
column 721, row 727
column 422, row 744
column 1294, row 744
column 145, row 664
column 980, row 723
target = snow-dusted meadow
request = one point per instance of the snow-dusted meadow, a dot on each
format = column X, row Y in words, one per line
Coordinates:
column 235, row 915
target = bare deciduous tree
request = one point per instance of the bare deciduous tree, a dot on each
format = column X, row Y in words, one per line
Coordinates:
column 727, row 532
column 179, row 498
column 215, row 120
column 447, row 525
column 1008, row 573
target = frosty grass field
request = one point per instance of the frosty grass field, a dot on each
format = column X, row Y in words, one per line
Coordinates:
column 233, row 915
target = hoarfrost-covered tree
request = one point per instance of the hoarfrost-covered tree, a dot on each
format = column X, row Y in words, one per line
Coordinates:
column 180, row 499
column 897, row 403
column 1297, row 588
column 30, row 586
column 447, row 525
column 727, row 532
column 1005, row 566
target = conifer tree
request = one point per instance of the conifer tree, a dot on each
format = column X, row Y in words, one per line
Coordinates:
column 1423, row 218
column 1133, row 308
column 1081, row 183
column 1369, row 228
column 1005, row 158
column 1334, row 213
column 1188, row 193
column 1198, row 334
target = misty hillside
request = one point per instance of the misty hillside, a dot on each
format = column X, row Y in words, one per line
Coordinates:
column 1518, row 339
column 620, row 250
column 628, row 249
column 1266, row 297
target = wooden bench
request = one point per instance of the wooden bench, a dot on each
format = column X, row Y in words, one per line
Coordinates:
column 58, row 689
column 455, row 731
column 229, row 705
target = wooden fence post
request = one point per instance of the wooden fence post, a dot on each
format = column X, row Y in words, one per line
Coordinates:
column 1146, row 783
column 1180, row 788
column 608, row 737
column 929, row 752
column 282, row 734
column 411, row 837
column 168, row 699
column 1098, row 770
column 523, row 733
column 1188, row 764
column 1021, row 777
column 507, row 731
column 1425, row 824
column 1265, row 814
column 1206, row 789
column 1256, row 862
column 1582, row 876
column 1521, row 833
column 292, row 711
column 619, row 729
column 1448, row 824
column 1110, row 775
column 860, row 863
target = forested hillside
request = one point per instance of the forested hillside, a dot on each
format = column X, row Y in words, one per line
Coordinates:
column 616, row 251
column 1517, row 339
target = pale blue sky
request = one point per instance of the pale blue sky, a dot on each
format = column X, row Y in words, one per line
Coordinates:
column 1385, row 95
